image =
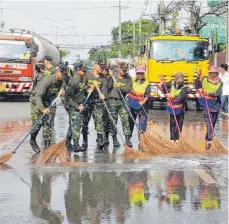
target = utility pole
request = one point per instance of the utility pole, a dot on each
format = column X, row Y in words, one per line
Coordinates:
column 134, row 38
column 162, row 16
column 140, row 30
column 192, row 17
column 120, row 28
column 227, row 48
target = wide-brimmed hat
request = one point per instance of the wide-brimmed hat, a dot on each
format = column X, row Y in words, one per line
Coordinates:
column 140, row 69
column 213, row 69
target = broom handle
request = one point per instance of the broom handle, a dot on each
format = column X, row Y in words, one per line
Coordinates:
column 167, row 92
column 209, row 115
column 110, row 114
column 74, row 123
column 36, row 123
column 126, row 106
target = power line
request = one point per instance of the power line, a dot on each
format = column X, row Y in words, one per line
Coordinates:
column 76, row 35
column 62, row 9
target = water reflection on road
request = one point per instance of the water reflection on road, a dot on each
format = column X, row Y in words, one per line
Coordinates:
column 110, row 188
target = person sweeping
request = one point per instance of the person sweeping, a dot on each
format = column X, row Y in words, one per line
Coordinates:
column 75, row 96
column 138, row 98
column 177, row 95
column 210, row 102
column 41, row 97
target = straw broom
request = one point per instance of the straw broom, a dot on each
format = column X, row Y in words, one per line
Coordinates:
column 58, row 153
column 216, row 146
column 119, row 133
column 151, row 146
column 183, row 146
column 6, row 157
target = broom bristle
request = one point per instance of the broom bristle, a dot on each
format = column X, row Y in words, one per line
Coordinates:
column 185, row 148
column 133, row 153
column 6, row 157
column 53, row 153
column 216, row 147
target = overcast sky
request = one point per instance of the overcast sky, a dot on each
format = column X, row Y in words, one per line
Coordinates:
column 88, row 17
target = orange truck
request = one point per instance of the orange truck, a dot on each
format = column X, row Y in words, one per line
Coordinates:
column 20, row 50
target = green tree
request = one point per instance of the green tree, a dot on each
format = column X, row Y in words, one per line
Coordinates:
column 127, row 47
column 63, row 52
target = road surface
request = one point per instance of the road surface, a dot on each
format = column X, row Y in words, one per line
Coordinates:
column 111, row 189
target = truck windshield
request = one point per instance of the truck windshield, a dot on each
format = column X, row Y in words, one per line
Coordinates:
column 179, row 50
column 14, row 51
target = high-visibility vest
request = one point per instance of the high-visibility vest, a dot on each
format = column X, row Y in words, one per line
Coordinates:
column 177, row 105
column 137, row 94
column 208, row 201
column 209, row 87
column 136, row 194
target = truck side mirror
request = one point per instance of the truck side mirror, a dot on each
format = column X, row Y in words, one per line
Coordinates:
column 27, row 44
column 34, row 53
column 143, row 49
column 36, row 47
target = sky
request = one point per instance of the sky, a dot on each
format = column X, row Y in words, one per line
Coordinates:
column 87, row 17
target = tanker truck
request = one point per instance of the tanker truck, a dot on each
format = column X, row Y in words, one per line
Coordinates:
column 20, row 50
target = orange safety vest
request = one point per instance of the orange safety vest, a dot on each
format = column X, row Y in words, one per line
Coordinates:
column 177, row 105
column 137, row 94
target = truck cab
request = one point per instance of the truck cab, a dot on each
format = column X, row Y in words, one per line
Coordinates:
column 166, row 55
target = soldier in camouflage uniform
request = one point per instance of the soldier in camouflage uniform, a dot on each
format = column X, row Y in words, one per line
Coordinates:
column 75, row 96
column 96, row 106
column 106, row 121
column 50, row 69
column 116, row 105
column 41, row 98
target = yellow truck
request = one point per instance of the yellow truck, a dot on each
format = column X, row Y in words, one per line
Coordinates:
column 176, row 53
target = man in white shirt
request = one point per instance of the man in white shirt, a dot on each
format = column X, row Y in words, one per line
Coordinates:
column 224, row 76
column 132, row 71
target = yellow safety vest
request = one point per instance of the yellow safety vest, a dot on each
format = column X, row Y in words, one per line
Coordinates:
column 210, row 87
column 138, row 91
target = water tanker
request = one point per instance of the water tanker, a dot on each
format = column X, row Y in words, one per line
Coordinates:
column 20, row 50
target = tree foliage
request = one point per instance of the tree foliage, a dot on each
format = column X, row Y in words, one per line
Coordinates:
column 63, row 53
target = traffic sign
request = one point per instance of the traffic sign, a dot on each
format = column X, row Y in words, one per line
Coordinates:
column 214, row 26
column 213, row 3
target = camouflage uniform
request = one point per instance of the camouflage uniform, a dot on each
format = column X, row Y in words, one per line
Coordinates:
column 41, row 98
column 95, row 106
column 75, row 96
column 116, row 104
column 48, row 72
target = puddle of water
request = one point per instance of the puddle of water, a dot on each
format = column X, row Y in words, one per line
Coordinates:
column 113, row 190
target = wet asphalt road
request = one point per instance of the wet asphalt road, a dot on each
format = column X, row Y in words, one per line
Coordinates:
column 111, row 189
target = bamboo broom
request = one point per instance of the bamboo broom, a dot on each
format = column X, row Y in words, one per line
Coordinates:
column 6, row 157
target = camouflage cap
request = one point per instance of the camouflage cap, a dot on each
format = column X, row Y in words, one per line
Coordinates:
column 124, row 66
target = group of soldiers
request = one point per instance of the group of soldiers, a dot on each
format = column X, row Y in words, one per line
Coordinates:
column 105, row 94
column 99, row 93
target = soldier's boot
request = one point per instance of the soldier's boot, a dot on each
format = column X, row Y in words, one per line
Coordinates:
column 33, row 142
column 106, row 140
column 47, row 144
column 85, row 142
column 128, row 142
column 69, row 145
column 100, row 143
column 77, row 147
column 115, row 141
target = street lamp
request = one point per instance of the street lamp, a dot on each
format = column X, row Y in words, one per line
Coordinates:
column 57, row 28
column 58, row 21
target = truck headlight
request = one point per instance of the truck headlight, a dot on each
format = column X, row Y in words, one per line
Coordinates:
column 25, row 79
